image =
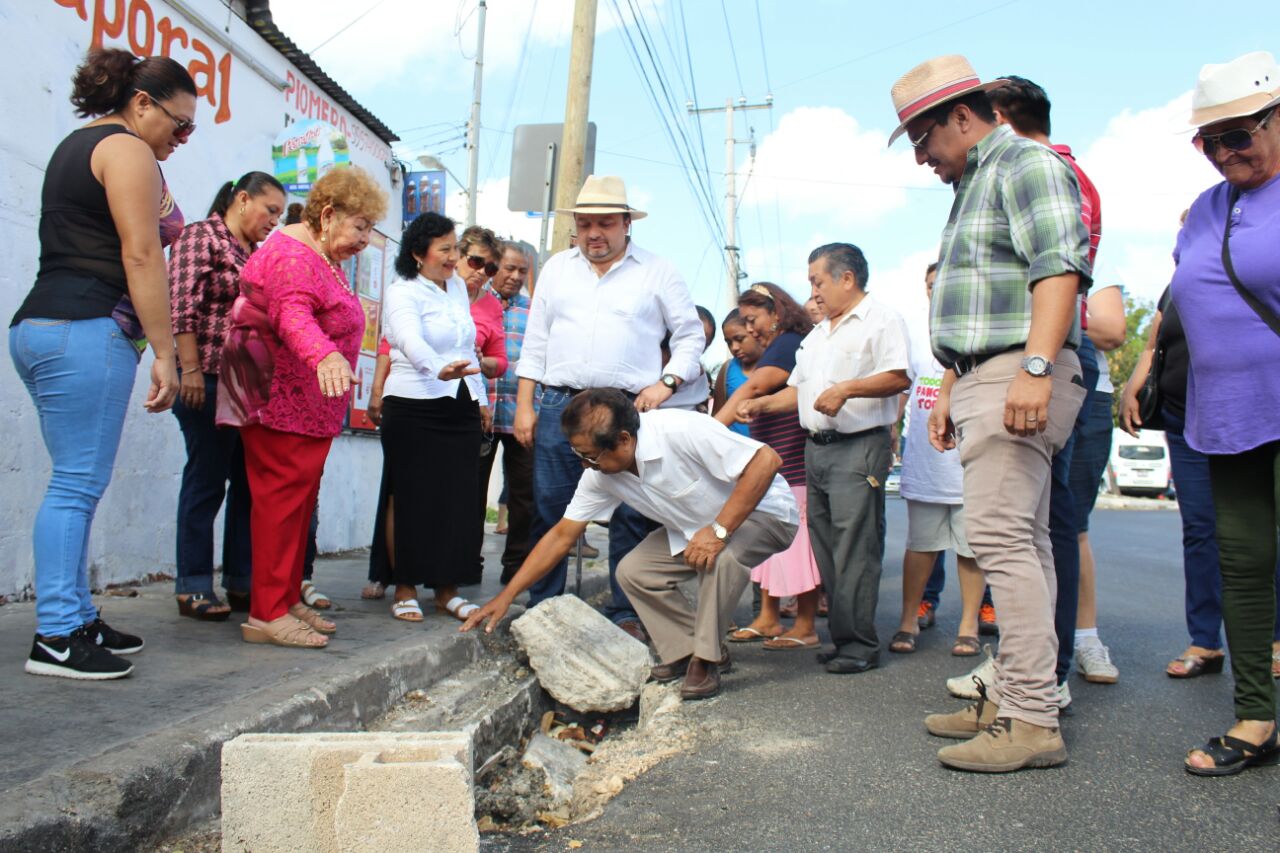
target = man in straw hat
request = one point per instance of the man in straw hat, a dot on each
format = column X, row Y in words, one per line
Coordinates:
column 598, row 318
column 1004, row 322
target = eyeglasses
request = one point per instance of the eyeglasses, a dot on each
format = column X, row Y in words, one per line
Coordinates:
column 923, row 138
column 590, row 460
column 476, row 262
column 182, row 127
column 1237, row 139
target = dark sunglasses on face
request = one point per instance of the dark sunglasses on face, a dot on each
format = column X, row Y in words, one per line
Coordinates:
column 1238, row 139
column 182, row 127
column 476, row 262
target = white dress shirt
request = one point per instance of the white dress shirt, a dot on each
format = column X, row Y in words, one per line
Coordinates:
column 689, row 464
column 690, row 395
column 591, row 331
column 429, row 328
column 870, row 339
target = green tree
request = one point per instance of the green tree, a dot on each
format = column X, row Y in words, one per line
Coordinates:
column 1138, row 314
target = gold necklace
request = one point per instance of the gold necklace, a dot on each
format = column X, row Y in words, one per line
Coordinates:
column 333, row 266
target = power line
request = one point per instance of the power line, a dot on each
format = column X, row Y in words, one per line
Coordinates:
column 764, row 55
column 693, row 85
column 888, row 47
column 347, row 27
column 515, row 89
column 733, row 51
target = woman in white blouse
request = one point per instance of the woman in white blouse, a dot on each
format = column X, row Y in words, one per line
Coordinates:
column 425, row 533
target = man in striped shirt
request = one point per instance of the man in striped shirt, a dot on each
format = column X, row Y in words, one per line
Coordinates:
column 1004, row 321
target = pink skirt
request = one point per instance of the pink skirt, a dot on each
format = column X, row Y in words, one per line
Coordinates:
column 794, row 571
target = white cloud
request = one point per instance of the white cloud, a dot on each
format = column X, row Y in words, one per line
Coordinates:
column 399, row 33
column 1146, row 170
column 820, row 162
column 902, row 289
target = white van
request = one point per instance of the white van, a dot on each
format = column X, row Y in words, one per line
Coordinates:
column 1140, row 466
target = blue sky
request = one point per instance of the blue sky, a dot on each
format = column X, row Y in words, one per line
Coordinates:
column 1119, row 75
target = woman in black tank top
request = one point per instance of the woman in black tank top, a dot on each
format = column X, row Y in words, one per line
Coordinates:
column 100, row 295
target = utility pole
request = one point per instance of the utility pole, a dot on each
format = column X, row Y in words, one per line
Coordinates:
column 577, row 102
column 731, row 141
column 473, row 126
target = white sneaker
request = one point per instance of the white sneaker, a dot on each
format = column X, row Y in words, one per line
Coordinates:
column 964, row 686
column 1063, row 696
column 1094, row 662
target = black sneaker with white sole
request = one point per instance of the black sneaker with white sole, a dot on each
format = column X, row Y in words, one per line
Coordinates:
column 75, row 656
column 116, row 642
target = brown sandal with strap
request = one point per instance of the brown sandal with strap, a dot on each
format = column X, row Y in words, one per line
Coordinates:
column 314, row 620
column 288, row 631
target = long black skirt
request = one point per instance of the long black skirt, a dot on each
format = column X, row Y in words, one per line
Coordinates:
column 430, row 465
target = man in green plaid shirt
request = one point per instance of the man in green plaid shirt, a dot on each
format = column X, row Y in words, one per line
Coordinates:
column 1005, row 322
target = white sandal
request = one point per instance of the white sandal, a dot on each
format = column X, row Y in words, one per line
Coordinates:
column 408, row 610
column 313, row 597
column 458, row 607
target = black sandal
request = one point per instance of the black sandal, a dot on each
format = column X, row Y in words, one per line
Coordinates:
column 239, row 601
column 903, row 643
column 198, row 605
column 1231, row 755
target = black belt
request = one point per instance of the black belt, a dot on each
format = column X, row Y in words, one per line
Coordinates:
column 573, row 392
column 968, row 363
column 831, row 436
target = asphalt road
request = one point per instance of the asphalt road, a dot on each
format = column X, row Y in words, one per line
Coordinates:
column 795, row 759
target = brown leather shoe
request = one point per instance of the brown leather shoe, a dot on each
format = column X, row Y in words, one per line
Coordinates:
column 635, row 630
column 1007, row 745
column 702, row 681
column 663, row 672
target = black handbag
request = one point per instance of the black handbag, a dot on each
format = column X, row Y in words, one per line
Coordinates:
column 1149, row 394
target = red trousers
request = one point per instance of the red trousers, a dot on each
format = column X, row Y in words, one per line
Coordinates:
column 284, row 472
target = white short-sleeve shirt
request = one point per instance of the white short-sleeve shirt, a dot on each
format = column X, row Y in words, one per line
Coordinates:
column 870, row 339
column 688, row 466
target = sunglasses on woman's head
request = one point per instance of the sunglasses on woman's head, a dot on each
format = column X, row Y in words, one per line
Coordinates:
column 1238, row 139
column 476, row 262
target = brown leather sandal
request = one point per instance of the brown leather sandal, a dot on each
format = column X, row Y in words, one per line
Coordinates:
column 288, row 631
column 966, row 646
column 314, row 620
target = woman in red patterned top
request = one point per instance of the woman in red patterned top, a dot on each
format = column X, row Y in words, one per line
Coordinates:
column 284, row 380
column 204, row 281
column 780, row 324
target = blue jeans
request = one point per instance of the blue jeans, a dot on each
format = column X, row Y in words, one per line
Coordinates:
column 1091, row 453
column 556, row 471
column 79, row 374
column 1199, row 540
column 214, row 460
column 1066, row 550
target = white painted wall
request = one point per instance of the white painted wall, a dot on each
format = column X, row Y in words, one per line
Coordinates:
column 133, row 534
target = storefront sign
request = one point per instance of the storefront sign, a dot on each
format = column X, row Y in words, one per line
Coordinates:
column 423, row 192
column 306, row 150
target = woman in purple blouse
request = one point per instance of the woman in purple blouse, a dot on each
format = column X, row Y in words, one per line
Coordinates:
column 1227, row 292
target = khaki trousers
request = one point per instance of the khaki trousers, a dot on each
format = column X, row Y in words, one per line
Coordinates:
column 650, row 573
column 1006, row 507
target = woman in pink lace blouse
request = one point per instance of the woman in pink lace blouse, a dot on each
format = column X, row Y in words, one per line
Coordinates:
column 284, row 380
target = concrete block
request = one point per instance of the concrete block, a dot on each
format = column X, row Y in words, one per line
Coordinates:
column 392, row 803
column 280, row 791
column 558, row 762
column 658, row 700
column 581, row 658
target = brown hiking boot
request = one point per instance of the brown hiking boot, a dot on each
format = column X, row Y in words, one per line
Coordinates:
column 1007, row 745
column 966, row 723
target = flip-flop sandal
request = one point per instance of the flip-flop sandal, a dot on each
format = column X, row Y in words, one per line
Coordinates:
column 408, row 610
column 903, row 643
column 749, row 635
column 373, row 591
column 1193, row 665
column 458, row 607
column 966, row 647
column 313, row 597
column 786, row 644
column 199, row 605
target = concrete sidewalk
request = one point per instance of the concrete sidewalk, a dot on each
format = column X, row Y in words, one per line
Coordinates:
column 106, row 766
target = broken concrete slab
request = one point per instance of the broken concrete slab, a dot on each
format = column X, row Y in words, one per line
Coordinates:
column 280, row 791
column 559, row 763
column 657, row 700
column 581, row 658
column 393, row 802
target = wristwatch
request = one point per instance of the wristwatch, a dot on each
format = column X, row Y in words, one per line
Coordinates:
column 721, row 532
column 670, row 381
column 1037, row 365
